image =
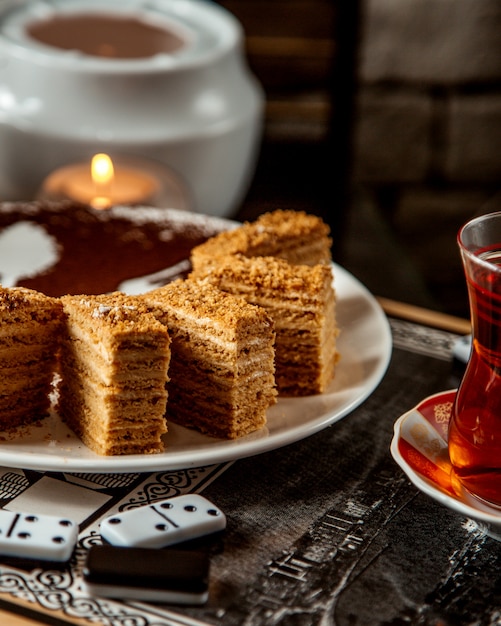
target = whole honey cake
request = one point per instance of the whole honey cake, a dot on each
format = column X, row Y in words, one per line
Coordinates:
column 222, row 366
column 115, row 349
column 295, row 236
column 301, row 301
column 114, row 370
column 61, row 248
column 30, row 325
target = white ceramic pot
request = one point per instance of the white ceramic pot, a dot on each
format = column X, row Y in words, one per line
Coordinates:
column 195, row 109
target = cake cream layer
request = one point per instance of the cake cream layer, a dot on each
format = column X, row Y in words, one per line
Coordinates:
column 130, row 418
column 33, row 388
column 124, row 368
column 137, row 381
column 116, row 415
column 140, row 440
column 292, row 235
column 203, row 356
column 118, row 404
column 19, row 332
column 27, row 354
column 21, row 380
column 216, row 423
column 222, row 367
column 301, row 301
column 226, row 399
column 24, row 408
column 39, row 354
column 121, row 352
column 221, row 379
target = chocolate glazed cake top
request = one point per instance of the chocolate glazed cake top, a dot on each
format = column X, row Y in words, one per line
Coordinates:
column 67, row 248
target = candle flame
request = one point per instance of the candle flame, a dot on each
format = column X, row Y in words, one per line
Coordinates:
column 103, row 174
column 101, row 168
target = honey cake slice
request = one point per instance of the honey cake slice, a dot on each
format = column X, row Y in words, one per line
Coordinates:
column 114, row 370
column 30, row 325
column 222, row 367
column 295, row 236
column 301, row 301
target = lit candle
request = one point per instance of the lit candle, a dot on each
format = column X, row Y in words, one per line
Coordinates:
column 103, row 183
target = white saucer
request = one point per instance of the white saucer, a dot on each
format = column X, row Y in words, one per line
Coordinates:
column 419, row 446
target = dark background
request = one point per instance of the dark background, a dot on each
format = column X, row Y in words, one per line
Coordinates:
column 363, row 127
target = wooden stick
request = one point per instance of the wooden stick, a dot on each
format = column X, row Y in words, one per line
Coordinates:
column 424, row 316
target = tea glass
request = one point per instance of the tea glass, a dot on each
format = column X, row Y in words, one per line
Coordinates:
column 475, row 426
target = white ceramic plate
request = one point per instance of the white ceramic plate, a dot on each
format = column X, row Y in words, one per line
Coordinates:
column 419, row 446
column 365, row 347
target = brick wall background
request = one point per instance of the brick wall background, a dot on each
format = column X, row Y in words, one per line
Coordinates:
column 428, row 130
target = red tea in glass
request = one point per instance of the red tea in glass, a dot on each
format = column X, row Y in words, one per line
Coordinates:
column 475, row 426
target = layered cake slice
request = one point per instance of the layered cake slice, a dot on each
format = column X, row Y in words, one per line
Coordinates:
column 295, row 236
column 30, row 326
column 222, row 367
column 114, row 369
column 301, row 301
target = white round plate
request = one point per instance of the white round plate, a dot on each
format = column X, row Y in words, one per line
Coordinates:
column 364, row 344
column 419, row 446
